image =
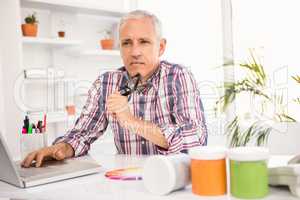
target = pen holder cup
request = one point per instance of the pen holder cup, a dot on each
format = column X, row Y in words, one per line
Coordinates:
column 32, row 142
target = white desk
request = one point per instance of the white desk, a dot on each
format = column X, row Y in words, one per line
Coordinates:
column 98, row 187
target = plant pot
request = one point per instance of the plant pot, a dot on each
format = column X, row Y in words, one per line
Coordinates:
column 29, row 30
column 61, row 34
column 107, row 44
column 70, row 109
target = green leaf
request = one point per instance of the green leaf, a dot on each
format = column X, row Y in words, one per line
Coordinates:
column 296, row 78
column 31, row 19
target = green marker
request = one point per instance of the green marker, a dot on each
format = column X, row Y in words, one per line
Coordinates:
column 30, row 129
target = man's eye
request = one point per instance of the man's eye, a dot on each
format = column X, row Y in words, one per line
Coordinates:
column 144, row 42
column 125, row 43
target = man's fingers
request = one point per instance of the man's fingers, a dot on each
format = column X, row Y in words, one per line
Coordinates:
column 58, row 152
column 28, row 160
column 116, row 93
column 114, row 96
column 39, row 158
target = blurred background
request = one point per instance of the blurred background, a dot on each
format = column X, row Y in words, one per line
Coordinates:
column 243, row 54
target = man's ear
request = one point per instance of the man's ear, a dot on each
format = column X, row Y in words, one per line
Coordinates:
column 162, row 46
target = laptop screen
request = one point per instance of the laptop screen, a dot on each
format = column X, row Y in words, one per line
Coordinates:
column 8, row 172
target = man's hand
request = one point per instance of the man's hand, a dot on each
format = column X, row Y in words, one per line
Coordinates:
column 117, row 105
column 58, row 151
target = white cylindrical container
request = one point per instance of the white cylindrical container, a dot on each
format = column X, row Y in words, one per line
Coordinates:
column 164, row 174
column 32, row 142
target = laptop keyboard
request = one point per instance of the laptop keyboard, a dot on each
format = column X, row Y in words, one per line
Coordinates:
column 52, row 168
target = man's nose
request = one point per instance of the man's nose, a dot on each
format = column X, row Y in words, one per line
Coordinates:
column 136, row 51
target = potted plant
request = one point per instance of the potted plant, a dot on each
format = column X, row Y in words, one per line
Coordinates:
column 253, row 126
column 61, row 32
column 107, row 42
column 30, row 27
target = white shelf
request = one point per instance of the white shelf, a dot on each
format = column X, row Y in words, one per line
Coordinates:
column 72, row 6
column 46, row 80
column 43, row 73
column 51, row 41
column 101, row 53
column 52, row 117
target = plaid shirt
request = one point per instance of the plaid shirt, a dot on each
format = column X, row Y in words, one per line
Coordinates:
column 170, row 99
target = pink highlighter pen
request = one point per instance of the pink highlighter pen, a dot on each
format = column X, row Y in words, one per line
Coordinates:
column 24, row 131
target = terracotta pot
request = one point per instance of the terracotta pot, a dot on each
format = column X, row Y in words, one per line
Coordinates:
column 107, row 43
column 29, row 30
column 61, row 34
column 70, row 109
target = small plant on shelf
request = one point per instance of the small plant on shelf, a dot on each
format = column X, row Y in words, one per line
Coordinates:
column 61, row 32
column 107, row 42
column 30, row 28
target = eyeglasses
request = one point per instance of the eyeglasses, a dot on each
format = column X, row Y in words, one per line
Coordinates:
column 131, row 85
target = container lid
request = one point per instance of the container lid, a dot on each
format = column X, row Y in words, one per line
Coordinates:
column 208, row 153
column 248, row 153
column 159, row 175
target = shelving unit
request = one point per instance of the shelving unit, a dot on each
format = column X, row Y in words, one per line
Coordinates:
column 83, row 20
column 78, row 54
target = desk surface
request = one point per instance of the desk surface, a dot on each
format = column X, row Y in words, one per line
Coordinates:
column 98, row 187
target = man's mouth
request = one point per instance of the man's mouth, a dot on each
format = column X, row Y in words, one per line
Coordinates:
column 137, row 63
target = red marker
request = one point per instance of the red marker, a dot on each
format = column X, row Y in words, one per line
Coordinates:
column 44, row 126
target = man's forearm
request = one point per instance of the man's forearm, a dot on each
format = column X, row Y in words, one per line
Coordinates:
column 147, row 130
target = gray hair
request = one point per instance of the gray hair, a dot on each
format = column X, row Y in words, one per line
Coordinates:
column 138, row 14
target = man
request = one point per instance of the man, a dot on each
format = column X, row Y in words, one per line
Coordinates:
column 165, row 116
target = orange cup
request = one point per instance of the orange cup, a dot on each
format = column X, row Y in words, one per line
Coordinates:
column 208, row 171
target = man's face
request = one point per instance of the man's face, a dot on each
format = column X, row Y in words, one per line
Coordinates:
column 140, row 48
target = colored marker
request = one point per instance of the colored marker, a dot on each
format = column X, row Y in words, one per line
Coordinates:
column 30, row 129
column 45, row 122
column 24, row 130
column 33, row 128
column 26, row 123
column 40, row 126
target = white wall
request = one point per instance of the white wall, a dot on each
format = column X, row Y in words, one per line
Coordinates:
column 276, row 40
column 193, row 30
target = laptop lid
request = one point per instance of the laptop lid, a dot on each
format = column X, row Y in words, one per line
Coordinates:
column 8, row 172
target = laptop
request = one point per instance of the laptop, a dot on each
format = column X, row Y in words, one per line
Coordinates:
column 52, row 171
